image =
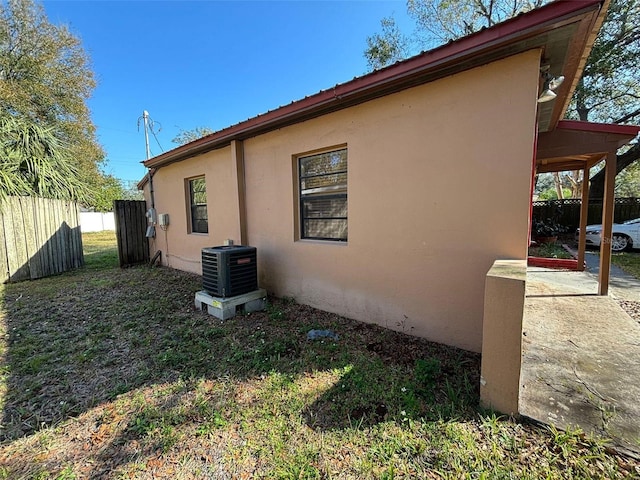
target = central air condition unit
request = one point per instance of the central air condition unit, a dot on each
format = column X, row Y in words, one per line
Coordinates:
column 228, row 271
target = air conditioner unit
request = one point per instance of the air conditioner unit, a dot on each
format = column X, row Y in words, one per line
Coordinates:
column 229, row 270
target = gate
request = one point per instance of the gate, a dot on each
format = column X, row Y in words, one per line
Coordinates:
column 131, row 229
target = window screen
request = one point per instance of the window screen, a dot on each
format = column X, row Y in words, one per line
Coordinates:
column 198, row 205
column 323, row 195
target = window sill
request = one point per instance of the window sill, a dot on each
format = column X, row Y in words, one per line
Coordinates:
column 322, row 242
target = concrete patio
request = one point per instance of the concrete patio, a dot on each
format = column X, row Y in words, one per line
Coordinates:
column 581, row 355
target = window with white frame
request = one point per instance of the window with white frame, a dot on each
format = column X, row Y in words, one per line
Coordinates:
column 199, row 220
column 323, row 195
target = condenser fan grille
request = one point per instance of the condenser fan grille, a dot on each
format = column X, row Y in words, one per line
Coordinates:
column 228, row 271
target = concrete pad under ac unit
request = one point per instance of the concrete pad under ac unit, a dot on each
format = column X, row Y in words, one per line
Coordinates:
column 226, row 308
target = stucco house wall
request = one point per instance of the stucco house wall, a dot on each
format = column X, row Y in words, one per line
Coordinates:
column 438, row 189
column 181, row 250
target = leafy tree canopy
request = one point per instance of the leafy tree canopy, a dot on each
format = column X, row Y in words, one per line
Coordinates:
column 628, row 181
column 112, row 188
column 186, row 136
column 438, row 22
column 45, row 81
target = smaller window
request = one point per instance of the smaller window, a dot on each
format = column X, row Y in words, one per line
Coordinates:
column 323, row 195
column 198, row 205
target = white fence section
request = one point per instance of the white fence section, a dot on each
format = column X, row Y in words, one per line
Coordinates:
column 96, row 221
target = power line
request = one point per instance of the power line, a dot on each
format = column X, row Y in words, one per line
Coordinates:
column 149, row 126
column 154, row 136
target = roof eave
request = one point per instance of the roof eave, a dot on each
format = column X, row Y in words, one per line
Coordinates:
column 613, row 128
column 395, row 77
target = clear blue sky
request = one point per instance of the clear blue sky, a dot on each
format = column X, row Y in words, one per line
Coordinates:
column 207, row 63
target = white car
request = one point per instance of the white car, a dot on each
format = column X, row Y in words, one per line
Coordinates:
column 625, row 236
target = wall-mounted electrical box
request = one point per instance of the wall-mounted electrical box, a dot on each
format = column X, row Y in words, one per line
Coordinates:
column 151, row 216
column 163, row 219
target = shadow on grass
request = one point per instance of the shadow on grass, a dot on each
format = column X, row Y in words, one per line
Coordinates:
column 80, row 340
column 399, row 378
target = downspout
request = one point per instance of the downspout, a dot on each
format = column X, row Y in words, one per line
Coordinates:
column 153, row 202
column 151, row 213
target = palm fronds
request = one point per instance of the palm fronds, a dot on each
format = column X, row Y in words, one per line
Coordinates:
column 33, row 161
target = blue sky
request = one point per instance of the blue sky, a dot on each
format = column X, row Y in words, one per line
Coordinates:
column 207, row 63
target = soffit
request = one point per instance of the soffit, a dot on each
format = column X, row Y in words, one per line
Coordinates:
column 575, row 145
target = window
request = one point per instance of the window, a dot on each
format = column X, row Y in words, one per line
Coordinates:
column 198, row 205
column 323, row 195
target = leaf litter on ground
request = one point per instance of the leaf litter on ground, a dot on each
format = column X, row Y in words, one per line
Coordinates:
column 112, row 373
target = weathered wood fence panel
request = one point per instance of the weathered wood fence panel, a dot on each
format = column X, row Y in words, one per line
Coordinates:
column 131, row 229
column 39, row 237
column 567, row 212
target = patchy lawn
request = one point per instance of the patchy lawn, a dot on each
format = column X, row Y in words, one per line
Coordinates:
column 628, row 261
column 110, row 373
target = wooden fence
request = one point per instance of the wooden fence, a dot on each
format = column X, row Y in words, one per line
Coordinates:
column 39, row 237
column 567, row 212
column 131, row 228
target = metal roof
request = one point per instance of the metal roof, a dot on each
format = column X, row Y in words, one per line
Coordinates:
column 564, row 29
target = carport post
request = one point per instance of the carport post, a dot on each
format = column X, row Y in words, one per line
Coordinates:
column 584, row 213
column 607, row 222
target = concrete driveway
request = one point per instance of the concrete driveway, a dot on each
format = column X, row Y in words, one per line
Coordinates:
column 581, row 355
column 622, row 286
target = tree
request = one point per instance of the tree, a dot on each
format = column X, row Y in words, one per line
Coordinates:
column 112, row 188
column 131, row 191
column 438, row 22
column 45, row 81
column 186, row 136
column 34, row 162
column 386, row 47
column 609, row 90
column 628, row 181
column 445, row 20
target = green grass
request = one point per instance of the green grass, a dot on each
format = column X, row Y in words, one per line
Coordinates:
column 628, row 261
column 100, row 250
column 111, row 373
column 549, row 250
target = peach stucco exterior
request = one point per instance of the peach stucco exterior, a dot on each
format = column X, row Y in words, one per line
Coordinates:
column 438, row 189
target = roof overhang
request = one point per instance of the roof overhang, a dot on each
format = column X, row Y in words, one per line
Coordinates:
column 563, row 30
column 143, row 181
column 574, row 145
